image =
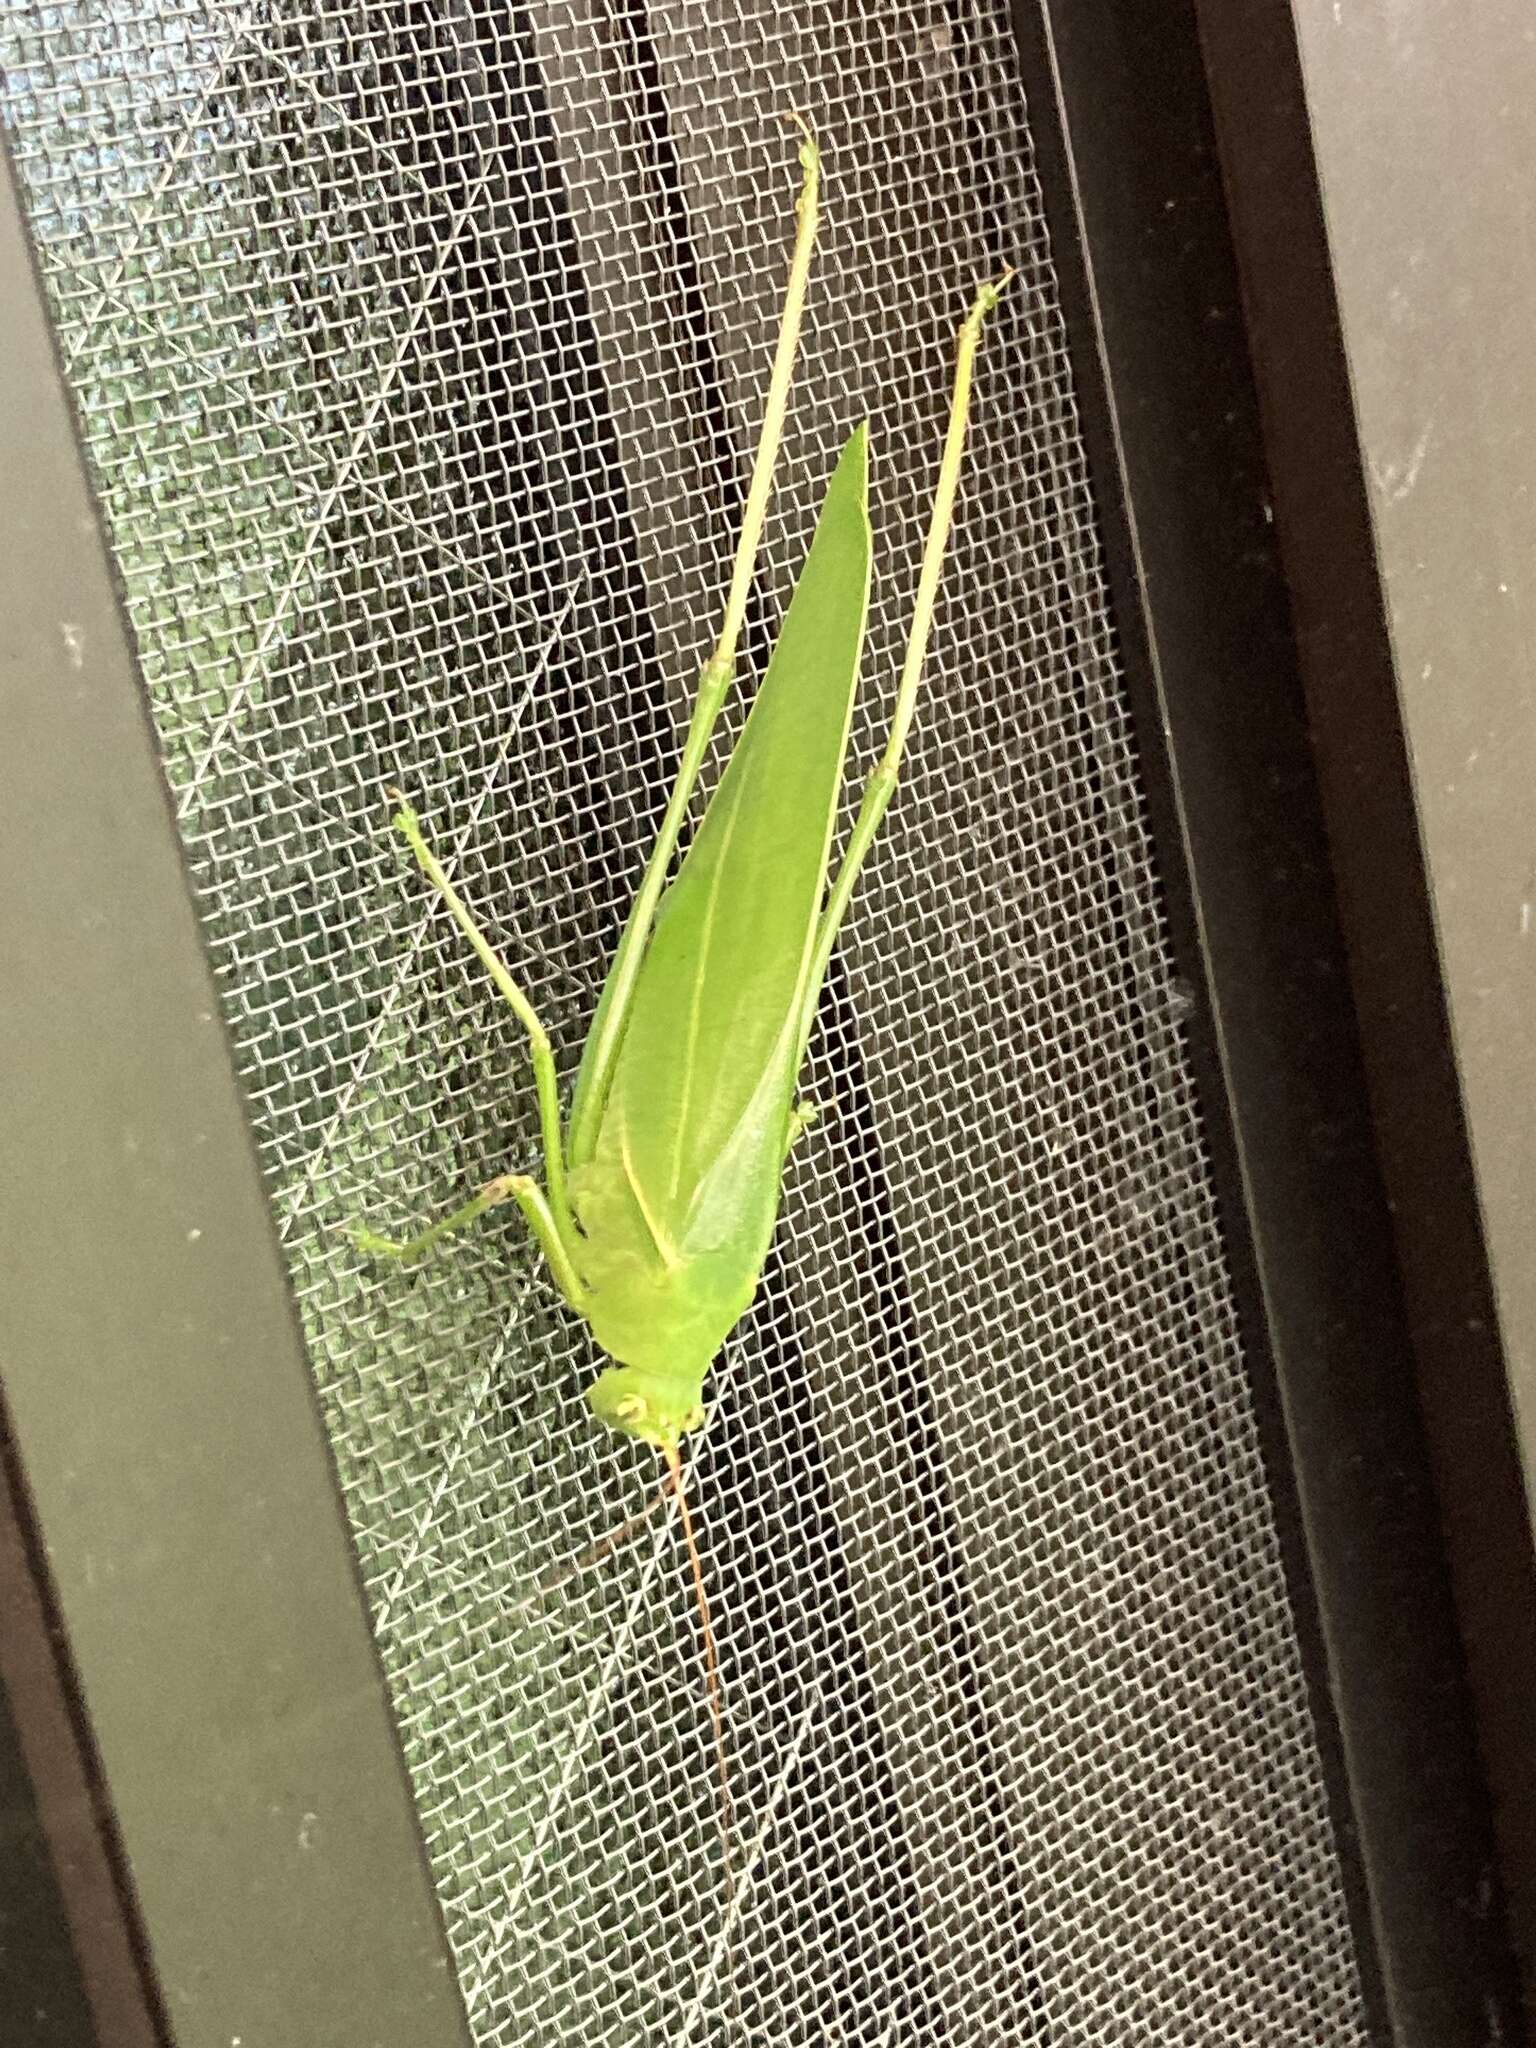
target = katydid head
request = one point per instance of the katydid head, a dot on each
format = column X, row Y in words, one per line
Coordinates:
column 654, row 1407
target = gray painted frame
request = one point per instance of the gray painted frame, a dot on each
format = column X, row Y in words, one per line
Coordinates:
column 1232, row 477
column 228, row 1695
column 1379, row 176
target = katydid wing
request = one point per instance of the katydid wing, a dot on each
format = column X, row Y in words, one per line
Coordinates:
column 677, row 1202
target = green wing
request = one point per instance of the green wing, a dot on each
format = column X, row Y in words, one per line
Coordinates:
column 678, row 1199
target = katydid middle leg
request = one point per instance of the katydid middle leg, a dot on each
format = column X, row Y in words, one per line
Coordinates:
column 507, row 1187
column 548, row 1215
column 546, row 1082
column 491, row 1196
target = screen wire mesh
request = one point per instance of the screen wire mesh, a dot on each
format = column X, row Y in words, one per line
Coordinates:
column 418, row 347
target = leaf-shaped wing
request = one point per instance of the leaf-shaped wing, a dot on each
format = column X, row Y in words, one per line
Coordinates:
column 705, row 1073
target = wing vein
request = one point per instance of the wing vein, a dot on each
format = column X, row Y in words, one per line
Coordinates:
column 666, row 1251
column 700, row 978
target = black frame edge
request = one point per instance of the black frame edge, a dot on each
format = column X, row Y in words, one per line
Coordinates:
column 1328, row 545
column 64, row 1887
column 1239, row 790
column 181, row 1530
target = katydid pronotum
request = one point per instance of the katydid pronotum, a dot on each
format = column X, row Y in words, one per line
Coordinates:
column 662, row 1179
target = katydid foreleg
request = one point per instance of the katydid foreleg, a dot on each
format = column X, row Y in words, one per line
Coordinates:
column 712, row 1689
column 605, row 1546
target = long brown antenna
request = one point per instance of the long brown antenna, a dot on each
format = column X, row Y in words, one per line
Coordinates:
column 712, row 1688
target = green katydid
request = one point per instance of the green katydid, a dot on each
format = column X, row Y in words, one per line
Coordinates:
column 662, row 1182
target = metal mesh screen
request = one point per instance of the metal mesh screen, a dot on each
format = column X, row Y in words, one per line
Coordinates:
column 418, row 347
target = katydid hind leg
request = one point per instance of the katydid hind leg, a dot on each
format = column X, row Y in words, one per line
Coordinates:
column 607, row 1032
column 801, row 1117
column 881, row 786
column 542, row 1221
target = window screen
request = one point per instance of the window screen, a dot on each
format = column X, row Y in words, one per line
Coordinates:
column 418, row 350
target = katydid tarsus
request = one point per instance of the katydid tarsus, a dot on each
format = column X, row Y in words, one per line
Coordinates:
column 662, row 1179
